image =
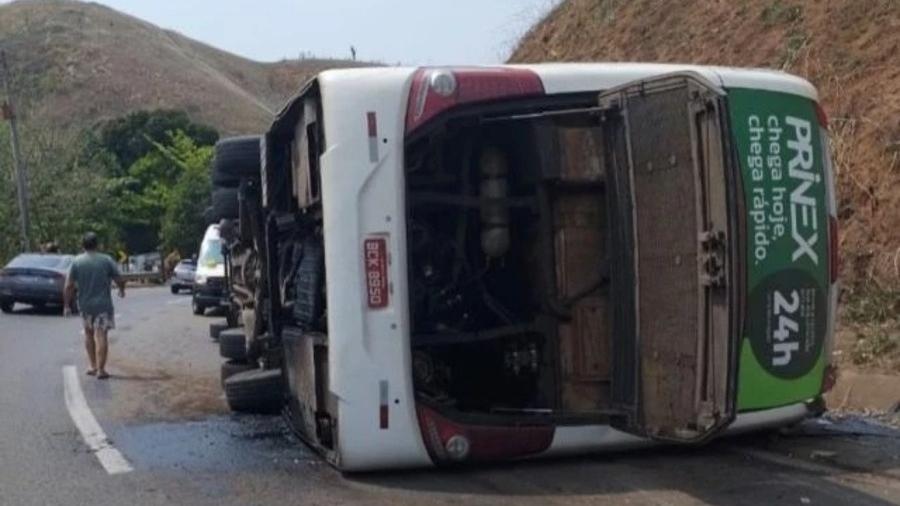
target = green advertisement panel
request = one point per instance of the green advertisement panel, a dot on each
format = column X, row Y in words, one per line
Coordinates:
column 777, row 136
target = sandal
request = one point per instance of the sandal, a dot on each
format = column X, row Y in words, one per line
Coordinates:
column 91, row 372
column 102, row 375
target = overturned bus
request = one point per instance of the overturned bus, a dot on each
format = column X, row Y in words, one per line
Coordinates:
column 472, row 264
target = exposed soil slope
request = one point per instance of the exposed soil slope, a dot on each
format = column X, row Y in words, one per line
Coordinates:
column 76, row 63
column 850, row 49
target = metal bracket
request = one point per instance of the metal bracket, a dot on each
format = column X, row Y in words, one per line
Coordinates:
column 712, row 258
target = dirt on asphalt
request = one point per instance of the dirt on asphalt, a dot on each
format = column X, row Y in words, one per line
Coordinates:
column 164, row 365
column 164, row 411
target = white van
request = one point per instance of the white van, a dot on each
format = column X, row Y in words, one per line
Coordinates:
column 209, row 276
column 483, row 263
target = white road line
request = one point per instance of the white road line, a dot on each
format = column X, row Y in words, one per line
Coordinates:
column 91, row 432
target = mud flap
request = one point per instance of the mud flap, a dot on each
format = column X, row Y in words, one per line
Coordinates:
column 675, row 327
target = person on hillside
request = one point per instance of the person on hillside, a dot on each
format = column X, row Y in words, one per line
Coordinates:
column 90, row 276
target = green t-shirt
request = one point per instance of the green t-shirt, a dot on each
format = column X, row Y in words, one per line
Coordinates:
column 92, row 274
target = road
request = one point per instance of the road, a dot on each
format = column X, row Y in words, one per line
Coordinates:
column 163, row 411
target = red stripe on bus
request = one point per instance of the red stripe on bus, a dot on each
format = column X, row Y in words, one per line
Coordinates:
column 373, row 124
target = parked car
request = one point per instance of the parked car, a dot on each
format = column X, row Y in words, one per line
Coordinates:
column 35, row 279
column 183, row 275
column 144, row 262
column 486, row 263
column 209, row 276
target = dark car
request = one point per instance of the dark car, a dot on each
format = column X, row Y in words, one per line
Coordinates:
column 183, row 275
column 35, row 279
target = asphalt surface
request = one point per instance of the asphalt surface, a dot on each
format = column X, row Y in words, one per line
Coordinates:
column 163, row 410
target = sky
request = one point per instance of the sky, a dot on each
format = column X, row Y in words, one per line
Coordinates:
column 389, row 31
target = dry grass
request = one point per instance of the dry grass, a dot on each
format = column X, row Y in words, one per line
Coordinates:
column 847, row 48
column 76, row 63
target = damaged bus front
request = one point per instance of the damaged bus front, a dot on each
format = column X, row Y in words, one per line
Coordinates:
column 603, row 260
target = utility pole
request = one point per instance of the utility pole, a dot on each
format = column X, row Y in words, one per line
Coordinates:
column 9, row 113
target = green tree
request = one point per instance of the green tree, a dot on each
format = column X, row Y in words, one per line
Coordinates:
column 68, row 192
column 141, row 196
column 78, row 184
column 131, row 137
column 183, row 224
column 146, row 146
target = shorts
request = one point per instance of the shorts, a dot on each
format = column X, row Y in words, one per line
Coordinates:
column 102, row 321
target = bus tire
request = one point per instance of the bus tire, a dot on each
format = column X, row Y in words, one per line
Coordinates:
column 225, row 203
column 233, row 344
column 236, row 158
column 232, row 367
column 216, row 328
column 257, row 391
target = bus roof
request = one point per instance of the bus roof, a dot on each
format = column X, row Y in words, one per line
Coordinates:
column 582, row 77
column 557, row 78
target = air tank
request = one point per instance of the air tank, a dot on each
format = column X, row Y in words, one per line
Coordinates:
column 494, row 190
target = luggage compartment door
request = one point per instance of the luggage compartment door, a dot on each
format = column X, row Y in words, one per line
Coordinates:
column 674, row 280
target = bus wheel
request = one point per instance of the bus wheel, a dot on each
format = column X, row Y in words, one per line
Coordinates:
column 232, row 367
column 217, row 328
column 233, row 344
column 256, row 391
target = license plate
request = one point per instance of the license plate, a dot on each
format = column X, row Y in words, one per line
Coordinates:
column 375, row 257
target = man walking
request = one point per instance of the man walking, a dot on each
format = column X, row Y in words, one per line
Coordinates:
column 91, row 275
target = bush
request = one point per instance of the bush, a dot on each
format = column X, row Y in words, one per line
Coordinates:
column 873, row 345
column 871, row 304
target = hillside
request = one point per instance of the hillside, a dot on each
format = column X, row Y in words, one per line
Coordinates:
column 850, row 49
column 76, row 63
